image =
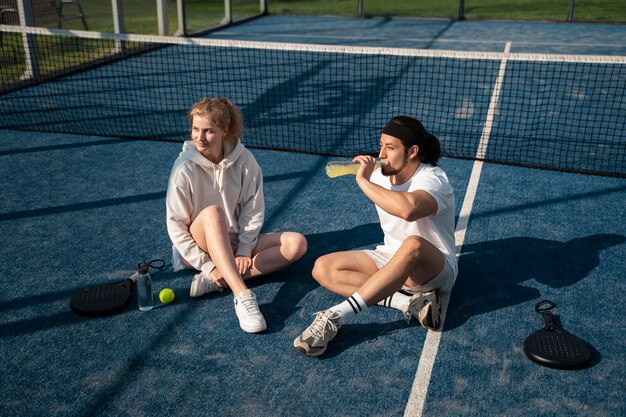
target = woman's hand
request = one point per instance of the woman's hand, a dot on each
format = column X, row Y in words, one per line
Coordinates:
column 218, row 278
column 244, row 263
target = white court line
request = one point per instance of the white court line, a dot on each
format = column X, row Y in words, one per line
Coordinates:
column 417, row 397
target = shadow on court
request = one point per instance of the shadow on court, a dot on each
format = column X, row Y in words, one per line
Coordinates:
column 352, row 335
column 492, row 275
column 42, row 320
column 297, row 279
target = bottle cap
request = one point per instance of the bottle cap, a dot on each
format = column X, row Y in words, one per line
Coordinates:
column 142, row 268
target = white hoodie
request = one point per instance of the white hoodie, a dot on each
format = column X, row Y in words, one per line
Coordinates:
column 235, row 185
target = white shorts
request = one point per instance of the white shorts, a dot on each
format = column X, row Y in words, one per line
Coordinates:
column 442, row 282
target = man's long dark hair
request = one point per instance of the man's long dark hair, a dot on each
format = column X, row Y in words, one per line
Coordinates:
column 428, row 144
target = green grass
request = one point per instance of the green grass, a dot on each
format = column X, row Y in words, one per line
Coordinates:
column 140, row 16
column 371, row 8
column 53, row 54
column 552, row 10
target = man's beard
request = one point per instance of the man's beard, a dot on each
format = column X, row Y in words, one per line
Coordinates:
column 387, row 171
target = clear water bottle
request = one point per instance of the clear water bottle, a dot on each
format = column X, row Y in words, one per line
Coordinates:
column 144, row 288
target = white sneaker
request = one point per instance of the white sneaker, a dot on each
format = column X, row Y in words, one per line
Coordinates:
column 250, row 318
column 201, row 284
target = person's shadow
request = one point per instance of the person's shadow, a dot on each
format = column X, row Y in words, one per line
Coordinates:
column 297, row 280
column 492, row 275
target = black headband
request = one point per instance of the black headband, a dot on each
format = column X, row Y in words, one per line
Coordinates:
column 404, row 133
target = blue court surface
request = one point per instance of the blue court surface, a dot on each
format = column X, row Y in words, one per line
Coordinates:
column 82, row 210
column 526, row 37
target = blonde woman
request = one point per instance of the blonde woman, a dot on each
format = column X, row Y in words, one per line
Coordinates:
column 215, row 210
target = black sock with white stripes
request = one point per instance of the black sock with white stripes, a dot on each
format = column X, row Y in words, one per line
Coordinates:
column 352, row 306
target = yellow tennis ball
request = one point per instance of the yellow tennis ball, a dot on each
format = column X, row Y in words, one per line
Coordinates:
column 166, row 296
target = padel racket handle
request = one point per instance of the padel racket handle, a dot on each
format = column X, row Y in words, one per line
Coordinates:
column 544, row 308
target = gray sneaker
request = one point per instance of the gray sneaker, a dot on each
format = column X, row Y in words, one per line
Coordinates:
column 201, row 284
column 314, row 339
column 425, row 308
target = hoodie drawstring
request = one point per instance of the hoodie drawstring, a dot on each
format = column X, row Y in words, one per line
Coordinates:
column 218, row 181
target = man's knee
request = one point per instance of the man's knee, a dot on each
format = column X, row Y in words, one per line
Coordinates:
column 322, row 269
column 412, row 246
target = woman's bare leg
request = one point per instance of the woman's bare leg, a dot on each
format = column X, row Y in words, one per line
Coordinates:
column 211, row 235
column 276, row 251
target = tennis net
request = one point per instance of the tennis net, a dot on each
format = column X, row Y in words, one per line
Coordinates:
column 559, row 112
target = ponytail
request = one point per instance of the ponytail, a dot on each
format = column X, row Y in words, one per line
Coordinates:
column 236, row 120
column 411, row 132
column 430, row 151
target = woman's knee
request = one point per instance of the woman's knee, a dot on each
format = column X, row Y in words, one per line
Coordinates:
column 207, row 221
column 294, row 245
column 211, row 214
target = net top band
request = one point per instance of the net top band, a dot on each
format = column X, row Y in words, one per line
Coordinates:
column 300, row 47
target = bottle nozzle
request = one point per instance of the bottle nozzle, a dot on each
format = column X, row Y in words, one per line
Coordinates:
column 142, row 267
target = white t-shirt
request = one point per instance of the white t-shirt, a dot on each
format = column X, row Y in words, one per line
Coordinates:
column 438, row 228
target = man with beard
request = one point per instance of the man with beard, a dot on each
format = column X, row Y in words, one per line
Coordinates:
column 417, row 262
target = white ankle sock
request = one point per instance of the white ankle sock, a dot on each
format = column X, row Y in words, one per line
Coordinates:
column 352, row 306
column 397, row 300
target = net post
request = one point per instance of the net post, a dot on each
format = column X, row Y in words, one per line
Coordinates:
column 118, row 22
column 228, row 13
column 180, row 12
column 263, row 7
column 570, row 11
column 25, row 11
column 162, row 16
column 118, row 16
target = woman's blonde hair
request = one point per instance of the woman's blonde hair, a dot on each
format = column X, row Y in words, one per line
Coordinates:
column 221, row 112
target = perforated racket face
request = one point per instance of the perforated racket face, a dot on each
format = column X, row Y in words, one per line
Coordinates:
column 102, row 300
column 557, row 349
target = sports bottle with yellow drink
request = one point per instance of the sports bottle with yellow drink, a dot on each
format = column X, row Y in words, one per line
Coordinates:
column 338, row 168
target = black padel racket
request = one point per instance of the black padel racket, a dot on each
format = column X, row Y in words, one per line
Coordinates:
column 554, row 347
column 107, row 299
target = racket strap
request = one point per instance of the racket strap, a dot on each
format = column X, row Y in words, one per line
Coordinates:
column 157, row 264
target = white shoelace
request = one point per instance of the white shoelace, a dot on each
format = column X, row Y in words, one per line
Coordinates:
column 249, row 305
column 323, row 322
column 416, row 306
